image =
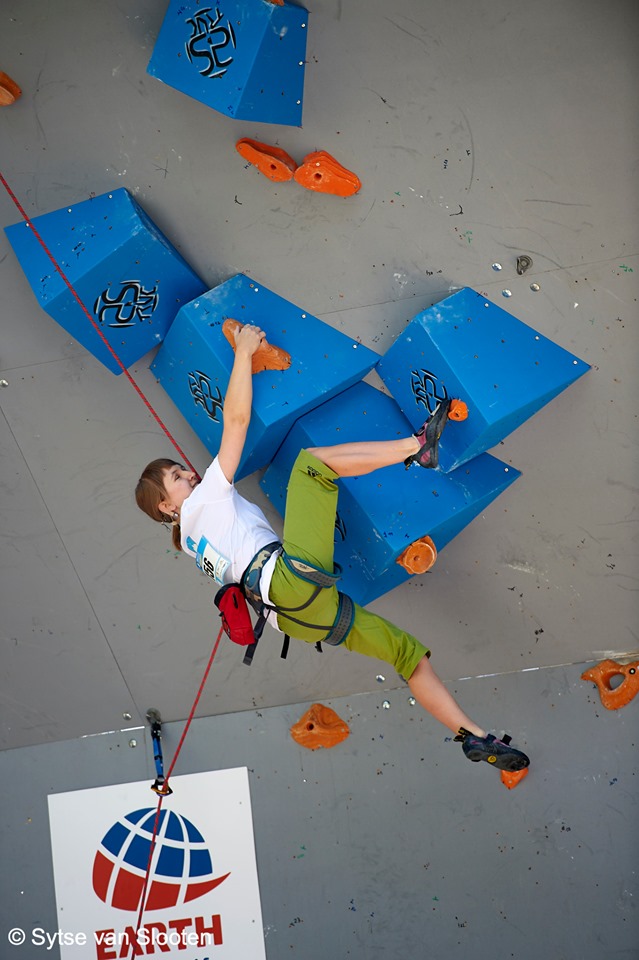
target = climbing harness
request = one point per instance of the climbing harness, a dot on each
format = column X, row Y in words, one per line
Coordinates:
column 234, row 617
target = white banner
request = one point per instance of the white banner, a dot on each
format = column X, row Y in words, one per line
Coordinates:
column 202, row 900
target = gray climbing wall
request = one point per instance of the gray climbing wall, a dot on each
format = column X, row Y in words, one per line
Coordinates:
column 391, row 842
column 480, row 131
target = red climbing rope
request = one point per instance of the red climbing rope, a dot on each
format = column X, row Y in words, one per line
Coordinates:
column 166, row 785
column 59, row 270
column 195, row 703
column 189, row 464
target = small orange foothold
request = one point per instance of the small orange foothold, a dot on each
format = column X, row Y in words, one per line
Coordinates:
column 321, row 172
column 319, row 727
column 419, row 557
column 621, row 695
column 9, row 90
column 457, row 410
column 266, row 357
column 512, row 778
column 274, row 163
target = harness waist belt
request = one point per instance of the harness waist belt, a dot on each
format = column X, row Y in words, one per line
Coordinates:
column 250, row 579
column 336, row 632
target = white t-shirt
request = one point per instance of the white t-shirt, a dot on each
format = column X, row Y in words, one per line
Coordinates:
column 222, row 531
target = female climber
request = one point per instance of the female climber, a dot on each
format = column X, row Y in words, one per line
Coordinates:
column 231, row 539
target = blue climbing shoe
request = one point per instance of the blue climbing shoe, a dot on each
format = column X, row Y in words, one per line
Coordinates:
column 499, row 753
column 428, row 436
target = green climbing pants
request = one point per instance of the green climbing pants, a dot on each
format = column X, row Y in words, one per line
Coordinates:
column 309, row 524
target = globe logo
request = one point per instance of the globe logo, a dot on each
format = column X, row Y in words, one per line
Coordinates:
column 182, row 870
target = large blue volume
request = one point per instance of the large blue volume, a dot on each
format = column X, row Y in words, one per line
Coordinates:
column 244, row 58
column 125, row 272
column 195, row 361
column 467, row 347
column 380, row 514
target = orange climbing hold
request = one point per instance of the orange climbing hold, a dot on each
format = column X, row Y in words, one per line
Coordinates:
column 266, row 357
column 320, row 171
column 621, row 695
column 9, row 90
column 274, row 163
column 512, row 778
column 319, row 727
column 419, row 557
column 457, row 410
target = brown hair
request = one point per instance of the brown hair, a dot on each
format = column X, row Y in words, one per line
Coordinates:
column 150, row 491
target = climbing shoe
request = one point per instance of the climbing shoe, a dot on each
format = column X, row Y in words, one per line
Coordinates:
column 499, row 753
column 428, row 436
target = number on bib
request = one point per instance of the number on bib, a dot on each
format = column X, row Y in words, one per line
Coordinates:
column 210, row 562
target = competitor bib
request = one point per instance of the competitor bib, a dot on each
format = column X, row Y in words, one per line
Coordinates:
column 210, row 562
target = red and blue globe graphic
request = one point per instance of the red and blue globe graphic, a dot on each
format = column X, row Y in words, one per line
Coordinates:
column 182, row 869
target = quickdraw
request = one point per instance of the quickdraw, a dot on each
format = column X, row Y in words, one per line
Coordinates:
column 161, row 784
